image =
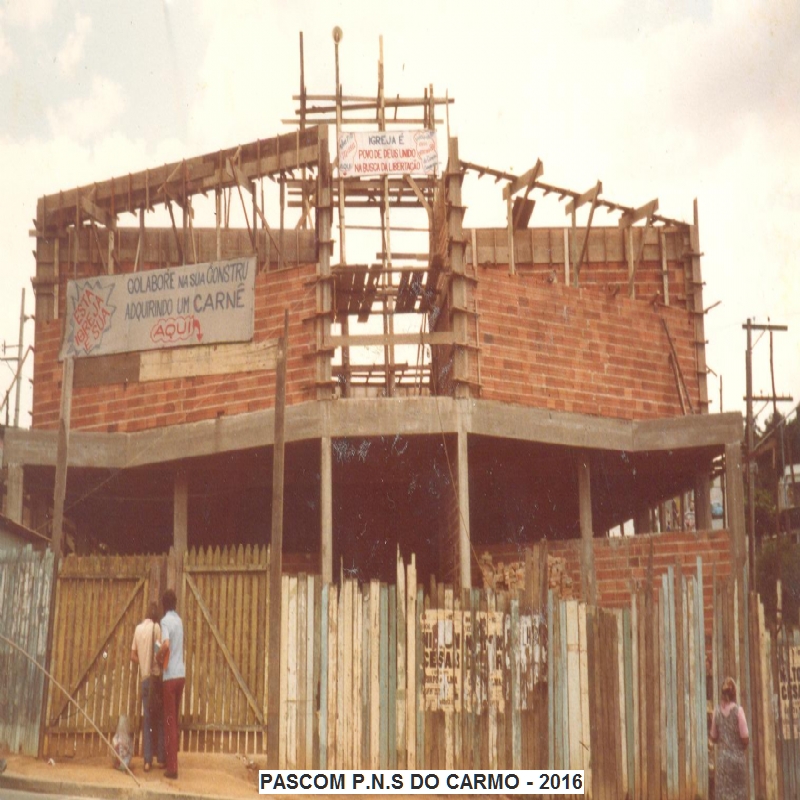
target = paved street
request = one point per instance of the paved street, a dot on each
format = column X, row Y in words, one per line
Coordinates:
column 11, row 794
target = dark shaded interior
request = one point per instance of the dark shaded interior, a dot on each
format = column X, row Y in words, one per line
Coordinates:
column 388, row 492
column 522, row 492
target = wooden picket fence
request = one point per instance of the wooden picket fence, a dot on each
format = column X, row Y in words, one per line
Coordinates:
column 26, row 577
column 402, row 675
column 787, row 675
column 626, row 692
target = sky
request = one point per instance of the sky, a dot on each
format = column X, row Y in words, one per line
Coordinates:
column 677, row 100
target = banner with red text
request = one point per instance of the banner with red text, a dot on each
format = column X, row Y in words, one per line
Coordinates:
column 362, row 154
column 154, row 309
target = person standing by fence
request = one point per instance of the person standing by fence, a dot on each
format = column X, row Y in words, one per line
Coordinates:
column 174, row 673
column 146, row 641
column 729, row 732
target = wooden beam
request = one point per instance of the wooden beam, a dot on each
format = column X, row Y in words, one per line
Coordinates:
column 632, row 216
column 418, row 192
column 383, row 339
column 276, row 553
column 98, row 214
column 128, row 193
column 595, row 196
column 62, row 454
column 219, row 359
column 632, row 277
column 589, row 196
column 525, row 181
column 588, row 577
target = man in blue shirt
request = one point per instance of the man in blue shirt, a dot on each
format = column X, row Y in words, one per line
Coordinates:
column 171, row 657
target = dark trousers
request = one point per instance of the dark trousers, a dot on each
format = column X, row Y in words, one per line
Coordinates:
column 153, row 728
column 173, row 690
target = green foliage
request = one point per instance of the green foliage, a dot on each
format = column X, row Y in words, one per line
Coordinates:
column 779, row 559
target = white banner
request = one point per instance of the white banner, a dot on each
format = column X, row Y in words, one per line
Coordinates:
column 151, row 310
column 387, row 153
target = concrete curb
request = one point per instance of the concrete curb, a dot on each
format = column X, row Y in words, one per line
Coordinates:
column 99, row 790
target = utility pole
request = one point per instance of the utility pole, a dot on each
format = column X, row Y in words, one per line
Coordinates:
column 751, row 326
column 17, row 359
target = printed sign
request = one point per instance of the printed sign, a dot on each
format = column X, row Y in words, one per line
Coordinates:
column 387, row 153
column 453, row 680
column 151, row 310
column 789, row 691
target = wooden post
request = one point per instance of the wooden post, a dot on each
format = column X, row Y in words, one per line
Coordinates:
column 588, row 579
column 735, row 504
column 326, row 509
column 459, row 295
column 464, row 544
column 276, row 554
column 14, row 493
column 180, row 515
column 60, row 490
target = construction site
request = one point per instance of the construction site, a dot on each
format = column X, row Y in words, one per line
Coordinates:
column 490, row 439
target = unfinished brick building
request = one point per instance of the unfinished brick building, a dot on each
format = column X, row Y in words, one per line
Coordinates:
column 486, row 390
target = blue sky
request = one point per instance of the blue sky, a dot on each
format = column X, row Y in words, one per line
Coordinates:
column 669, row 100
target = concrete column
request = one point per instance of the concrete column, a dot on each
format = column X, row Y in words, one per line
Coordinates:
column 180, row 518
column 464, row 542
column 588, row 577
column 702, row 502
column 641, row 521
column 326, row 508
column 14, row 493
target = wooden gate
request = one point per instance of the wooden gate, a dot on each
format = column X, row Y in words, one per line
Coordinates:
column 99, row 602
column 224, row 611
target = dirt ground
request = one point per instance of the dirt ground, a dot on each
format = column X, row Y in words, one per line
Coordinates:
column 212, row 774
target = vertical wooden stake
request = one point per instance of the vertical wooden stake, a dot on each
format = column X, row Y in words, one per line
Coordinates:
column 180, row 512
column 276, row 553
column 60, row 490
column 326, row 509
column 588, row 581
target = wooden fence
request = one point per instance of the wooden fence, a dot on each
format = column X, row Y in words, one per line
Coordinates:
column 25, row 581
column 627, row 692
column 403, row 676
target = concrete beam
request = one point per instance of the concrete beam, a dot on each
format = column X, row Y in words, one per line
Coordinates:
column 679, row 433
column 407, row 416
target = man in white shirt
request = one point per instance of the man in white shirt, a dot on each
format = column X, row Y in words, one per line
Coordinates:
column 171, row 657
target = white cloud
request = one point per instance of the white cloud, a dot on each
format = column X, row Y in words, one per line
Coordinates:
column 90, row 115
column 71, row 52
column 29, row 13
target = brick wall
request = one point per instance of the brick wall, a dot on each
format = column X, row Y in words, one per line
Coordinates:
column 621, row 564
column 139, row 406
column 583, row 350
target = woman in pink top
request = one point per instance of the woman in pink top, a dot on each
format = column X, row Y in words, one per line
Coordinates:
column 729, row 732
